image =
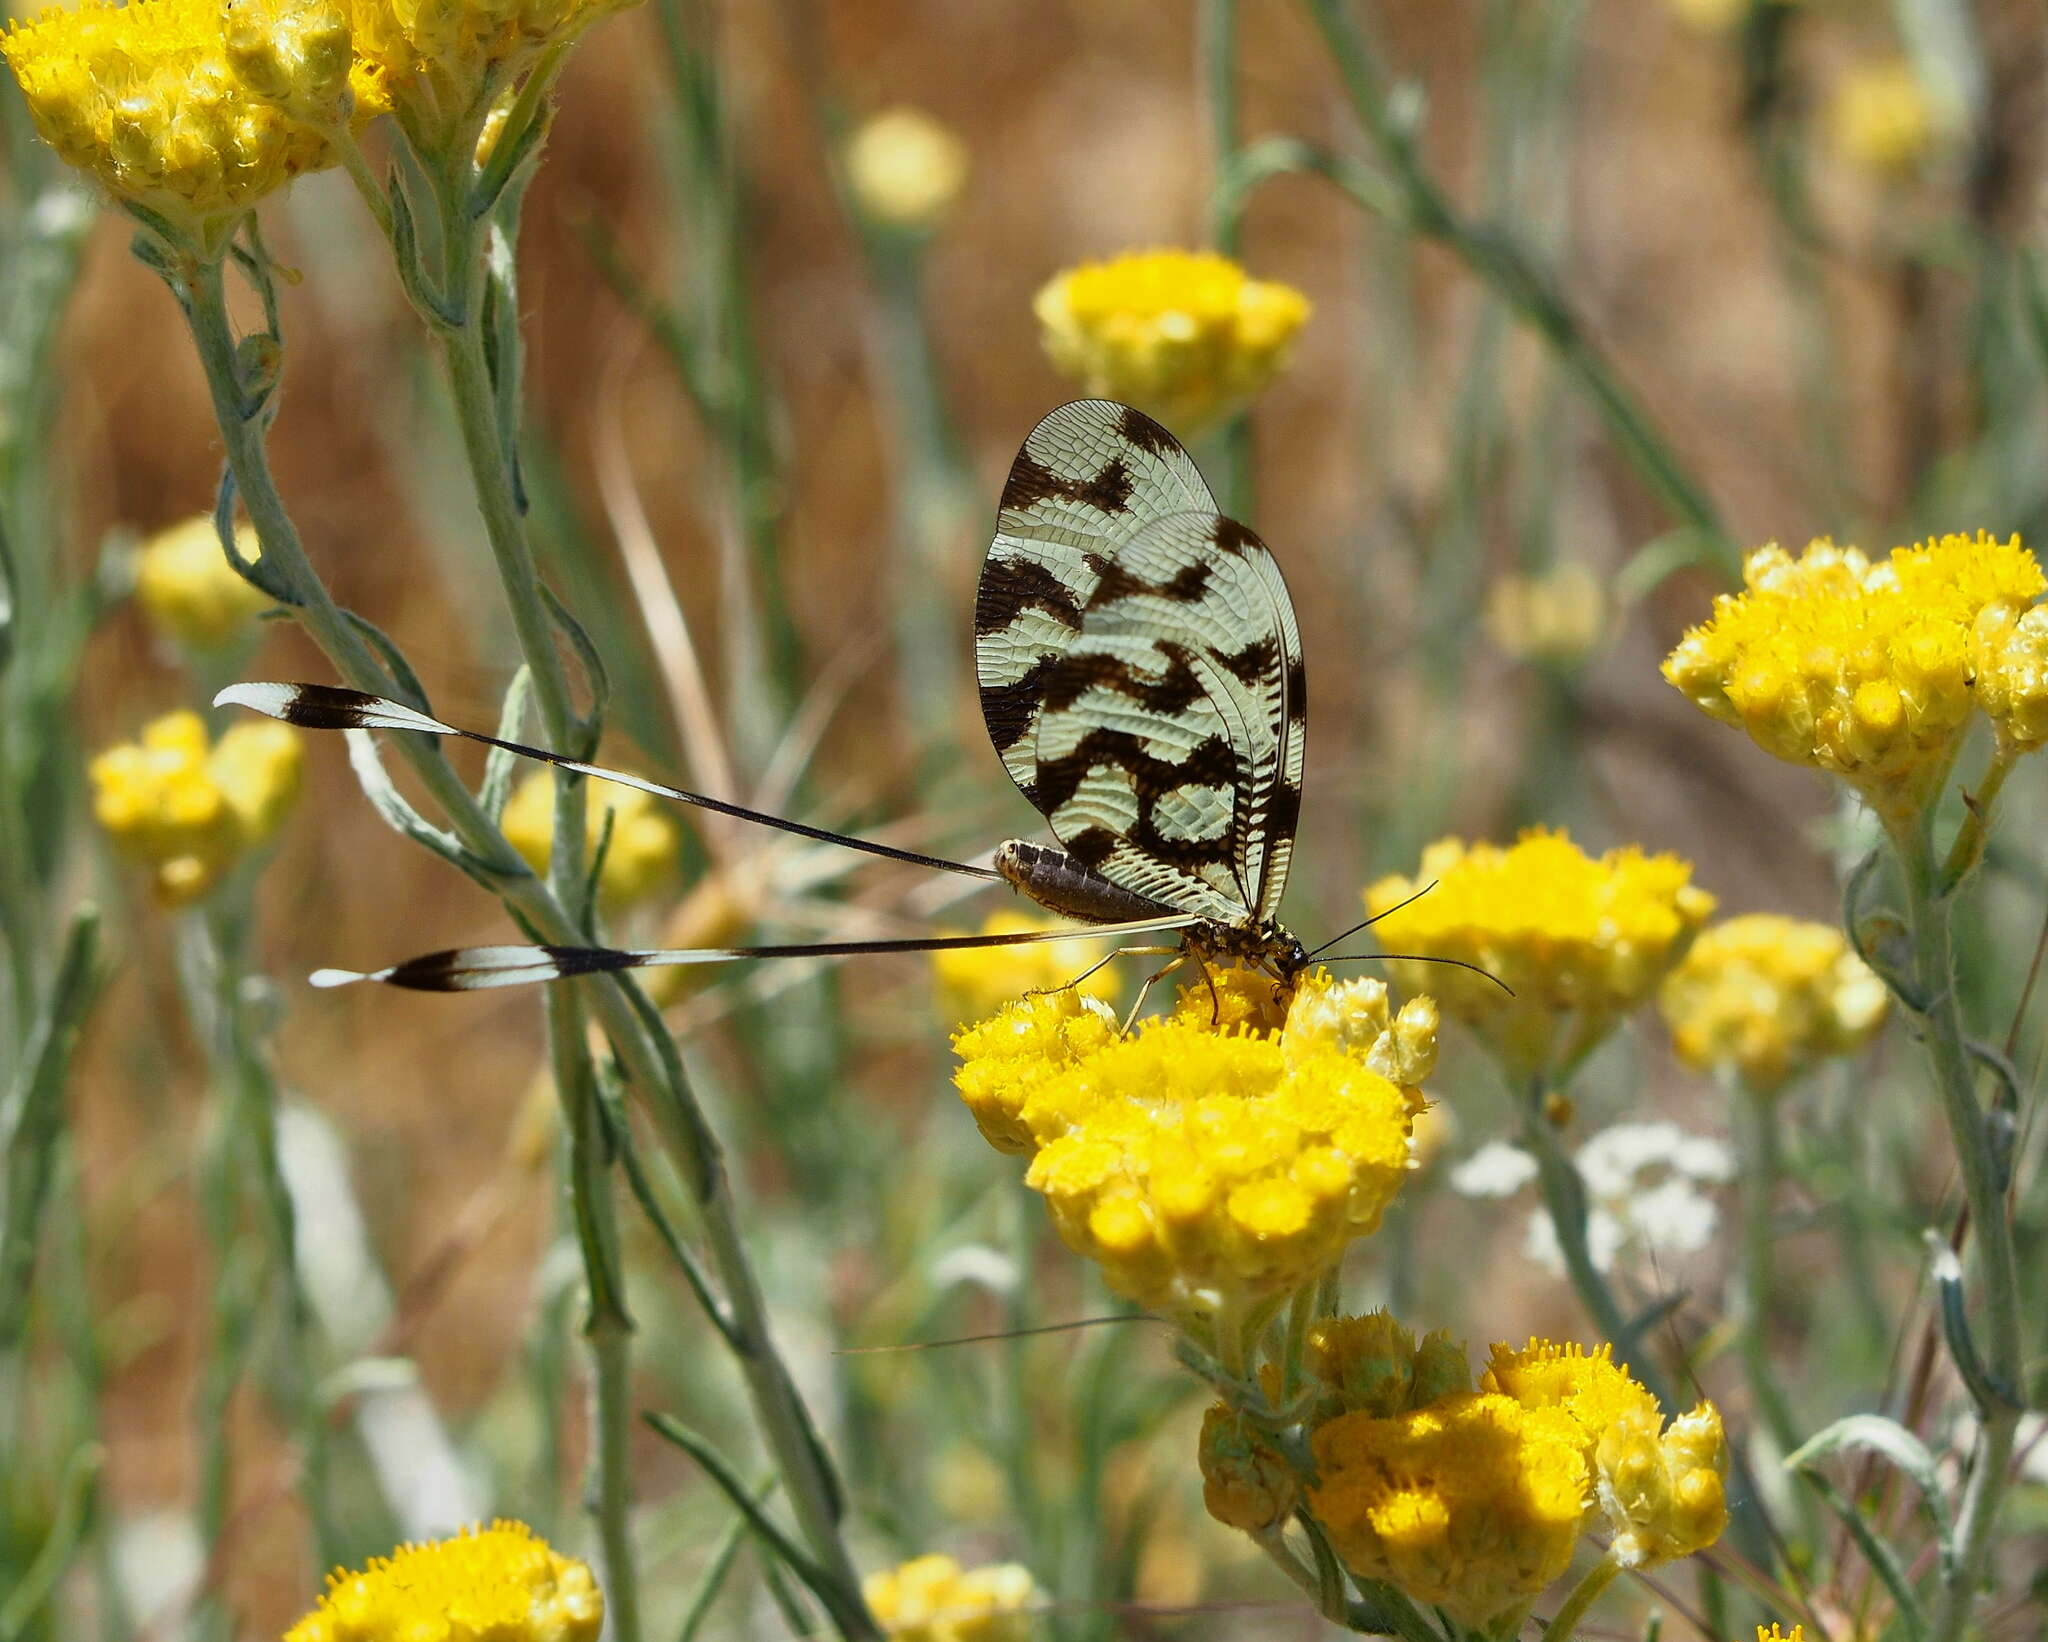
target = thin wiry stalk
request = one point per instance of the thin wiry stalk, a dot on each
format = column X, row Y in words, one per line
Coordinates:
column 646, row 1054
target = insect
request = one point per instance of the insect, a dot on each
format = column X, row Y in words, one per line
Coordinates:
column 1141, row 677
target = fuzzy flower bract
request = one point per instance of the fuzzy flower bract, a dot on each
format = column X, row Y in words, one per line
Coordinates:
column 933, row 1599
column 503, row 1583
column 1766, row 997
column 1869, row 670
column 1205, row 1169
column 1580, row 941
column 190, row 811
column 1186, row 336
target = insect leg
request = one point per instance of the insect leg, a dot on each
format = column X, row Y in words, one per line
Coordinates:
column 1145, row 991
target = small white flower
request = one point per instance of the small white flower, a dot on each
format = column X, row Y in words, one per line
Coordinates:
column 1642, row 1185
column 1497, row 1169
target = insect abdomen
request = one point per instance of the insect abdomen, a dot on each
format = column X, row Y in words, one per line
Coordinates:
column 1059, row 883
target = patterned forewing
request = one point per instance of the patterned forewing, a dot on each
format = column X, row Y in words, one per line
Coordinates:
column 1168, row 752
column 1090, row 476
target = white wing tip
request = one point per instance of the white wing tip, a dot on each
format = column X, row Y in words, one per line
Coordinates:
column 271, row 700
column 330, row 978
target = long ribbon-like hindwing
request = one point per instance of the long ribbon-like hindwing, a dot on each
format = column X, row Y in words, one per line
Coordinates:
column 481, row 968
column 329, row 707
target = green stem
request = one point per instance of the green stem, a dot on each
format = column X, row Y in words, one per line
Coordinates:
column 1928, row 911
column 1506, row 269
column 648, row 1056
column 1756, row 1113
column 607, row 1326
column 1564, row 1196
column 1584, row 1595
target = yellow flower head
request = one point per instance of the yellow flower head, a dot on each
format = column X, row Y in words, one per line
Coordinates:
column 188, row 811
column 976, row 981
column 190, row 591
column 438, row 58
column 1580, row 941
column 1204, row 1169
column 1766, row 997
column 1372, row 1365
column 1184, row 335
column 1661, row 1489
column 642, row 855
column 1472, row 1503
column 905, row 168
column 293, row 54
column 1771, row 1633
column 1246, row 1483
column 1883, row 119
column 2010, row 649
column 148, row 99
column 1555, row 617
column 500, row 1582
column 933, row 1599
column 1866, row 670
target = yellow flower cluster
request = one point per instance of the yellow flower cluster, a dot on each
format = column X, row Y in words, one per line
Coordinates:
column 1661, row 1488
column 1475, row 1500
column 905, row 168
column 1580, row 941
column 502, row 1582
column 977, row 981
column 1766, row 997
column 1773, row 1634
column 190, row 811
column 1873, row 671
column 933, row 1599
column 188, row 589
column 1184, row 335
column 150, row 99
column 1883, row 119
column 1206, row 1167
column 641, row 857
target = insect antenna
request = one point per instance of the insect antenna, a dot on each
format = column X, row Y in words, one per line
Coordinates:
column 1418, row 958
column 1073, row 1326
column 329, row 707
column 1335, row 940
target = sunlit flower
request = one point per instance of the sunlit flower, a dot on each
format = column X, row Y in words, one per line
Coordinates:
column 1766, row 997
column 1246, row 1483
column 188, row 589
column 2011, row 655
column 502, row 1582
column 1205, row 1168
column 933, row 1599
column 1185, row 335
column 1643, row 1186
column 190, row 811
column 976, row 981
column 1661, row 1489
column 641, row 857
column 1868, row 670
column 1555, row 617
column 292, row 54
column 1580, row 941
column 1882, row 117
column 1771, row 1633
column 145, row 99
column 905, row 168
column 1473, row 1503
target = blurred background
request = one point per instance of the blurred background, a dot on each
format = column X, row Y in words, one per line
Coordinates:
column 1801, row 235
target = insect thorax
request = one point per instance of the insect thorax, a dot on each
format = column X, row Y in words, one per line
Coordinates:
column 1060, row 883
column 1269, row 947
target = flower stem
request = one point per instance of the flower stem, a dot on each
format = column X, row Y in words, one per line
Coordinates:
column 648, row 1056
column 1584, row 1595
column 1506, row 269
column 1928, row 911
column 1757, row 1115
